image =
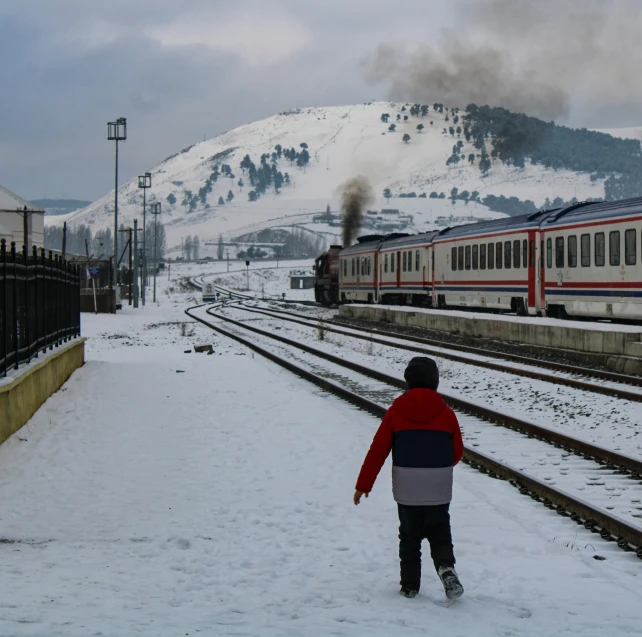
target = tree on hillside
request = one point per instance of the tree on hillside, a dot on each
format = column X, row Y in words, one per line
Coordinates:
column 398, row 117
column 279, row 150
column 240, row 183
column 392, row 128
column 406, row 138
column 451, row 130
column 454, row 193
column 420, row 127
column 471, row 158
column 221, row 201
column 196, row 246
column 220, row 248
column 251, row 196
column 405, row 118
column 484, row 163
column 385, row 117
column 303, row 145
column 424, row 110
column 230, row 196
column 458, row 131
column 171, row 199
column 387, row 194
column 187, row 248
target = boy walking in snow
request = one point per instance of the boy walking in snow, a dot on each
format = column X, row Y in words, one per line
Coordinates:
column 425, row 439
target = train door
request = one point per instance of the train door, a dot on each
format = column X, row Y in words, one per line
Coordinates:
column 376, row 277
column 532, row 274
column 398, row 270
column 542, row 274
column 359, row 266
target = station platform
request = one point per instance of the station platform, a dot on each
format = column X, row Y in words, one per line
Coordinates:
column 614, row 345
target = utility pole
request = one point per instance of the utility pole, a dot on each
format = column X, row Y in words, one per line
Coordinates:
column 116, row 131
column 131, row 273
column 64, row 239
column 128, row 245
column 135, row 263
column 247, row 272
column 156, row 210
column 228, row 260
column 144, row 182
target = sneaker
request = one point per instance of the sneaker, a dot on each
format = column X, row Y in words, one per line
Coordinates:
column 452, row 585
column 408, row 592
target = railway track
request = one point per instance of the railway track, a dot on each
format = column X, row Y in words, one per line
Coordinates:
column 441, row 349
column 612, row 479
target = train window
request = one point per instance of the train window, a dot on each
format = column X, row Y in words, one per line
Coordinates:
column 572, row 251
column 525, row 253
column 409, row 260
column 600, row 248
column 352, row 266
column 507, row 254
column 392, row 262
column 453, row 258
column 460, row 258
column 630, row 249
column 516, row 263
column 482, row 256
column 549, row 253
column 532, row 246
column 369, row 265
column 385, row 262
column 559, row 252
column 491, row 256
column 498, row 256
column 417, row 260
column 475, row 257
column 585, row 250
column 467, row 257
column 404, row 262
column 614, row 247
column 345, row 267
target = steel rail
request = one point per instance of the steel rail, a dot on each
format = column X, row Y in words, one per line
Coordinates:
column 569, row 382
column 627, row 536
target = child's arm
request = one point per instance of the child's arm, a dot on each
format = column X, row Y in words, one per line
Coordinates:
column 379, row 450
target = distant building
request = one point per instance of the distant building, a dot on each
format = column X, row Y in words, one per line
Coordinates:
column 301, row 280
column 12, row 214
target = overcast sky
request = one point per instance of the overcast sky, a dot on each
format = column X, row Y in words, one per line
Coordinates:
column 179, row 70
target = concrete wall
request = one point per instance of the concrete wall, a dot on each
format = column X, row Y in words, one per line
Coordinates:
column 20, row 399
column 605, row 342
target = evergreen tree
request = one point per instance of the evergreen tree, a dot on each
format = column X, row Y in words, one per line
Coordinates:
column 221, row 201
column 451, row 130
column 220, row 248
column 392, row 128
column 387, row 194
column 484, row 163
column 385, row 117
column 458, row 131
column 240, row 183
column 230, row 196
column 405, row 118
column 279, row 150
column 454, row 193
column 398, row 117
column 406, row 138
column 471, row 158
column 252, row 196
column 171, row 199
column 424, row 110
column 420, row 127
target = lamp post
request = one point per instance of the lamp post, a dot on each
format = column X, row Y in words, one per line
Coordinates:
column 116, row 131
column 144, row 182
column 156, row 210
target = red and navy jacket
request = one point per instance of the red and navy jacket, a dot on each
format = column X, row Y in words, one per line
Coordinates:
column 425, row 439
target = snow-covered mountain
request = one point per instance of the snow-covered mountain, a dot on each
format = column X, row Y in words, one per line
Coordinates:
column 342, row 142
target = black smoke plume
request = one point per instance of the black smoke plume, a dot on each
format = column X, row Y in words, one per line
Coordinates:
column 356, row 194
column 539, row 57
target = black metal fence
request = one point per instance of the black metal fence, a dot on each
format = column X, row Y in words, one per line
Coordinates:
column 39, row 304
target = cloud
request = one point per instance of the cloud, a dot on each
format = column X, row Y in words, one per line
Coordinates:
column 259, row 40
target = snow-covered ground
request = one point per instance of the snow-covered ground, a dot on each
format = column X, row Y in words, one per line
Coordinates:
column 166, row 493
column 267, row 279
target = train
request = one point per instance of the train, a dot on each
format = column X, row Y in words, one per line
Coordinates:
column 583, row 260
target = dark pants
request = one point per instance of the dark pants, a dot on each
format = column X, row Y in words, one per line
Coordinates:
column 417, row 523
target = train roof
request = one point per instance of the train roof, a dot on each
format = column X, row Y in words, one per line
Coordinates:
column 363, row 246
column 409, row 240
column 593, row 211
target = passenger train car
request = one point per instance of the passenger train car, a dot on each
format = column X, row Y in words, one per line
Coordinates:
column 583, row 260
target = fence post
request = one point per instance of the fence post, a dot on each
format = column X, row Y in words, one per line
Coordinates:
column 5, row 309
column 36, row 308
column 52, row 294
column 15, row 304
column 43, row 287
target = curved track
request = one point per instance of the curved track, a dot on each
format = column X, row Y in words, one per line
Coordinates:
column 552, row 457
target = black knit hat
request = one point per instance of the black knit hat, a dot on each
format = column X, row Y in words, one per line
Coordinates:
column 422, row 372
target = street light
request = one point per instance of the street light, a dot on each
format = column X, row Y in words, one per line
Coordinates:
column 144, row 182
column 116, row 131
column 156, row 210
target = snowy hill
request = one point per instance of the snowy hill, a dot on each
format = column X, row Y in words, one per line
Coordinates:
column 342, row 142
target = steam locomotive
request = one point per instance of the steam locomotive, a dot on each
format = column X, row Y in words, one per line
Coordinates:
column 581, row 260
